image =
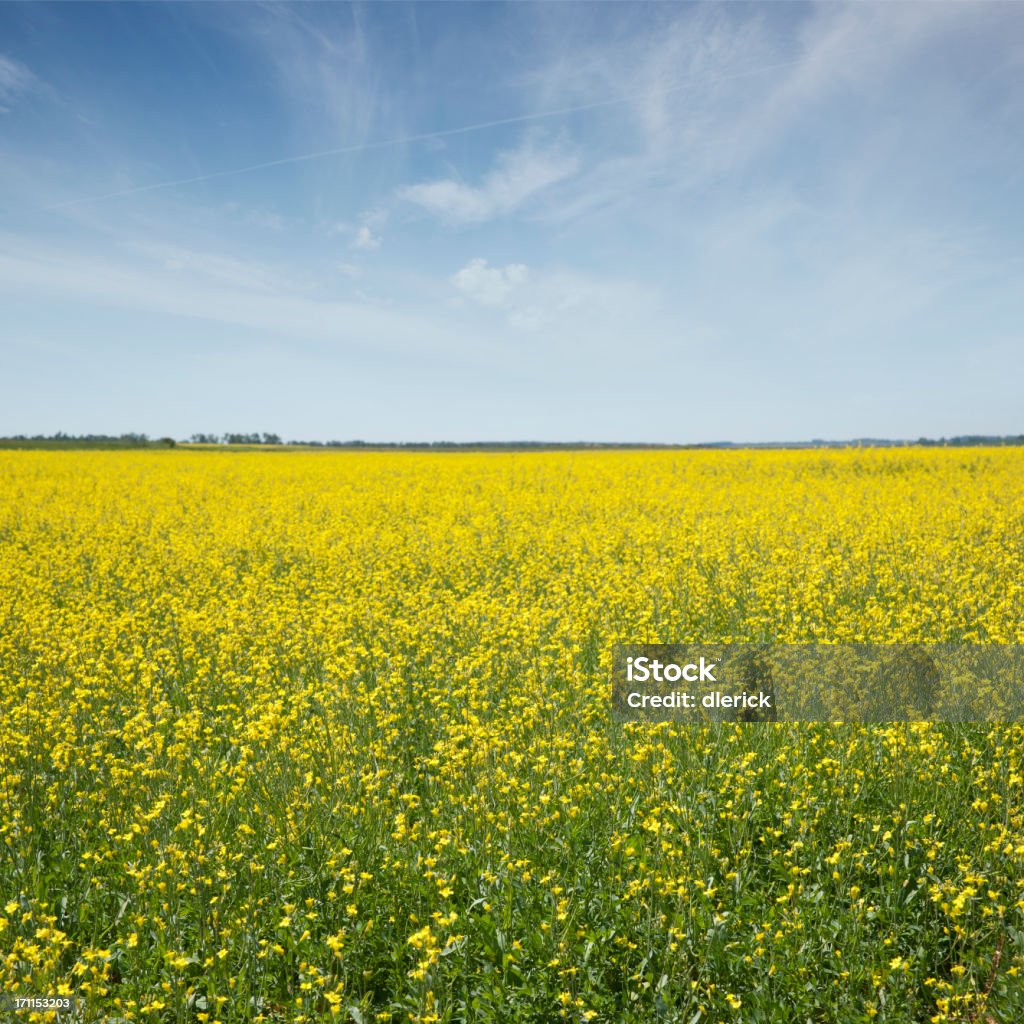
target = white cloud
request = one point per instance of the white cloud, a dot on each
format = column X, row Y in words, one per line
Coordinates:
column 450, row 199
column 517, row 177
column 365, row 239
column 15, row 78
column 490, row 286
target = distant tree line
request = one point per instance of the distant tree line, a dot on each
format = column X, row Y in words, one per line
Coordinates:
column 117, row 440
column 968, row 440
column 263, row 438
column 275, row 439
column 236, row 439
column 961, row 441
column 61, row 436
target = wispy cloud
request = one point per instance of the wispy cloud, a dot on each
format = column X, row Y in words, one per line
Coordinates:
column 517, row 177
column 326, row 71
column 177, row 284
column 213, row 267
column 713, row 95
column 15, row 78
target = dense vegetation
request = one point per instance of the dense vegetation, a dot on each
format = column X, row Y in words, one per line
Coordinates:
column 305, row 738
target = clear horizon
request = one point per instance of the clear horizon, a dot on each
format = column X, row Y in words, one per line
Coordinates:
column 625, row 222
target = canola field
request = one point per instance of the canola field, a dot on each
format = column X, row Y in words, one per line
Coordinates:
column 325, row 736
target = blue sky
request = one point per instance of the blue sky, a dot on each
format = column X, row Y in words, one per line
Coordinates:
column 619, row 222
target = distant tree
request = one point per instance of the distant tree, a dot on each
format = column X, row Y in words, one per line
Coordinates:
column 271, row 439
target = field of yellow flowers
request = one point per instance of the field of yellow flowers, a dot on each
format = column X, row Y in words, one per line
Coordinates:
column 322, row 736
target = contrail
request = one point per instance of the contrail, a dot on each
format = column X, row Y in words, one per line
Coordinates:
column 443, row 133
